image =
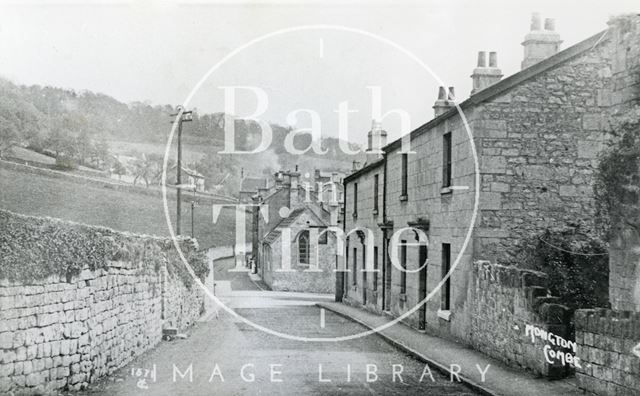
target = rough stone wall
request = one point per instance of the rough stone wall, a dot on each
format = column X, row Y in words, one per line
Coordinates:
column 605, row 340
column 539, row 144
column 181, row 306
column 505, row 300
column 64, row 331
column 624, row 255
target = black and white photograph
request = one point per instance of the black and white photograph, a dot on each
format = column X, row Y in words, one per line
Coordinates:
column 320, row 197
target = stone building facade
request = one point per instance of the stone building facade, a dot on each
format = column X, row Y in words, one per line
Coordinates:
column 537, row 135
column 293, row 246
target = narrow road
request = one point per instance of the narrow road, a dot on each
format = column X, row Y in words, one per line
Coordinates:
column 218, row 349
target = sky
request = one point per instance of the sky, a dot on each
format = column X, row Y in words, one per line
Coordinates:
column 157, row 51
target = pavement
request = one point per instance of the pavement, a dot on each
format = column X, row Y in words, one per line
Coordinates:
column 440, row 354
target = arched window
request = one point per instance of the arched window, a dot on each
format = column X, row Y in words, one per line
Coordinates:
column 303, row 247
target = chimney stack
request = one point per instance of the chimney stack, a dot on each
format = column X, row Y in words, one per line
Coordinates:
column 484, row 76
column 444, row 101
column 279, row 180
column 540, row 44
column 376, row 140
column 294, row 194
column 355, row 166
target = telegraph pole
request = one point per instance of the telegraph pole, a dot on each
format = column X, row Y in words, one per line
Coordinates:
column 184, row 116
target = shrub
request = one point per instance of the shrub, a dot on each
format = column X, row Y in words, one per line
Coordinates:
column 576, row 263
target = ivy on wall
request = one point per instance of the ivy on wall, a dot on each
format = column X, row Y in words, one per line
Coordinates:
column 618, row 178
column 577, row 265
column 33, row 248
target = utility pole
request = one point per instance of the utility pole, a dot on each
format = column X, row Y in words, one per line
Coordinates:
column 184, row 116
column 193, row 207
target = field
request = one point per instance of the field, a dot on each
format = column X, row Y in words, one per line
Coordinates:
column 39, row 195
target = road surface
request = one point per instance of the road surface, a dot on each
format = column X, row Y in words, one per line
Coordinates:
column 226, row 356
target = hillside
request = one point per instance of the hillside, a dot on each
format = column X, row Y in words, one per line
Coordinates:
column 125, row 210
column 89, row 128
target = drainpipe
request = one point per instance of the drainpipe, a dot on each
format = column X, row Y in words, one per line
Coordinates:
column 384, row 189
column 339, row 293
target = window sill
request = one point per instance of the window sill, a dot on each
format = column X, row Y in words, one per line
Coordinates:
column 446, row 190
column 403, row 198
column 445, row 315
column 403, row 297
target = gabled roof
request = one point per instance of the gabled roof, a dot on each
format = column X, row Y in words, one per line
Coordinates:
column 275, row 233
column 507, row 83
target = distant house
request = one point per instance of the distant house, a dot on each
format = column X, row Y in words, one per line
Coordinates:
column 189, row 176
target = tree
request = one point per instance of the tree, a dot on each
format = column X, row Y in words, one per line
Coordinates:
column 100, row 152
column 142, row 169
column 119, row 169
column 82, row 144
column 55, row 141
column 9, row 137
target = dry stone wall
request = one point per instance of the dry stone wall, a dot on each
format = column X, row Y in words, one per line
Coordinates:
column 606, row 340
column 68, row 325
column 509, row 305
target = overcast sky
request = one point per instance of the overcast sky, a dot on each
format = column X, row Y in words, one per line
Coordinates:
column 157, row 51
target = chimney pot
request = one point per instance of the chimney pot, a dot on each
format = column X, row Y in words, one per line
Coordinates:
column 376, row 126
column 540, row 44
column 441, row 105
column 452, row 94
column 484, row 76
column 482, row 59
column 550, row 24
column 535, row 21
column 493, row 59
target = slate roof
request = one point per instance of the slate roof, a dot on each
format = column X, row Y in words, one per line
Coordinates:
column 275, row 233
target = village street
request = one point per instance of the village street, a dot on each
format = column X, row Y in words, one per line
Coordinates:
column 218, row 348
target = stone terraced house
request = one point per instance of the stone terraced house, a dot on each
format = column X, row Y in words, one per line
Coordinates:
column 537, row 135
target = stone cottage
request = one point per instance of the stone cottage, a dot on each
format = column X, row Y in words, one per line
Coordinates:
column 294, row 248
column 537, row 135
